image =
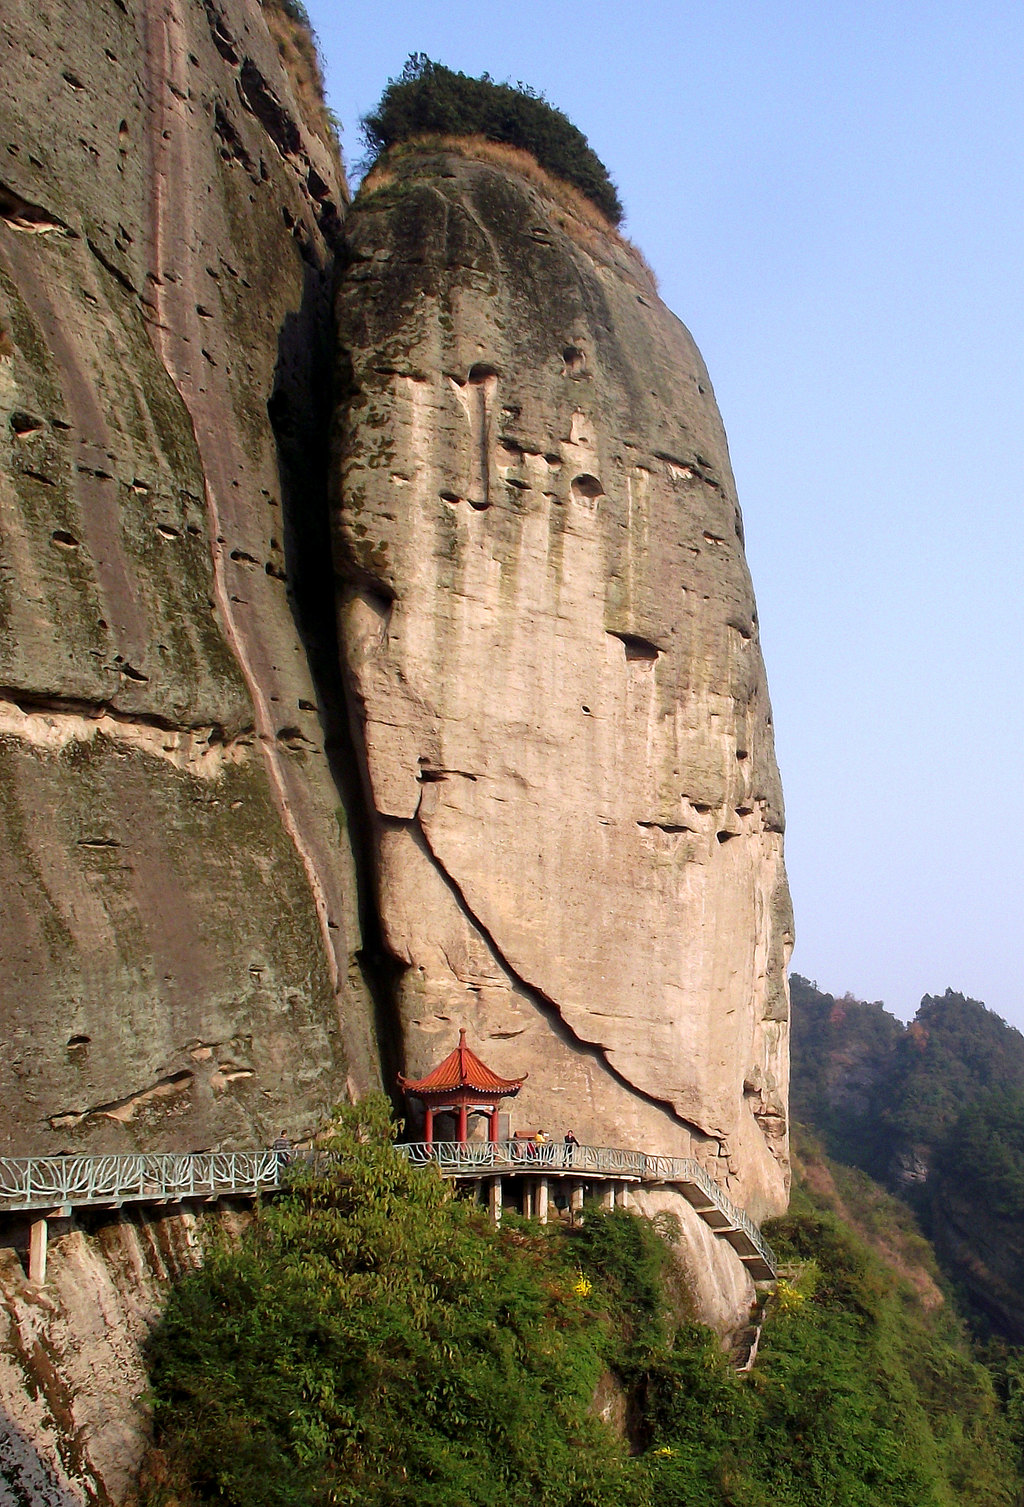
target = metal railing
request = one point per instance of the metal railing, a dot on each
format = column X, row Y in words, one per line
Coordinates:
column 471, row 1158
column 42, row 1182
column 55, row 1182
column 468, row 1157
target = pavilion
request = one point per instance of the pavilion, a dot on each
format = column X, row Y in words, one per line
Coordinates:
column 464, row 1084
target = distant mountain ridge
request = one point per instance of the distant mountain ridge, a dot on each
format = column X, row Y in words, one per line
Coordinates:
column 935, row 1111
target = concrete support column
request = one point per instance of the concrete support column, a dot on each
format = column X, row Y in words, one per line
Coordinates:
column 576, row 1202
column 494, row 1198
column 37, row 1241
column 527, row 1198
column 622, row 1200
column 608, row 1196
column 542, row 1199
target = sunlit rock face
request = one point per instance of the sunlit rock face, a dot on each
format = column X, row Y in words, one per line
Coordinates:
column 177, row 900
column 552, row 646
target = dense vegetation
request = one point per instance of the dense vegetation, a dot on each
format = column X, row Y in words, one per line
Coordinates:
column 935, row 1110
column 372, row 1340
column 875, row 1088
column 428, row 99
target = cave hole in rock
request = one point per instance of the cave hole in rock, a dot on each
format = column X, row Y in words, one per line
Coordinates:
column 636, row 648
column 741, row 754
column 23, row 424
column 574, row 361
column 587, row 710
column 450, row 497
column 726, row 836
column 79, row 1041
column 129, row 671
column 64, row 539
column 586, row 489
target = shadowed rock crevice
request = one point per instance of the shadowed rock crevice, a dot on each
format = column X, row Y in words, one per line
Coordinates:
column 301, row 409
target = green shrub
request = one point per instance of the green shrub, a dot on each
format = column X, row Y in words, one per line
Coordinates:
column 429, row 99
column 372, row 1340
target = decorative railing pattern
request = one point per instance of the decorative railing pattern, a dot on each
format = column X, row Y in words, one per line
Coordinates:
column 453, row 1158
column 45, row 1182
column 55, row 1182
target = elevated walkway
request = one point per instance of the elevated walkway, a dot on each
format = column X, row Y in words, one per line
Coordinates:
column 612, row 1167
column 56, row 1186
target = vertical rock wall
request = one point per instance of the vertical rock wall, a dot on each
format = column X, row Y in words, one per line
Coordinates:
column 552, row 644
column 179, row 934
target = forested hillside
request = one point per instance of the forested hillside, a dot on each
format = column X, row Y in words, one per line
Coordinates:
column 935, row 1111
column 374, row 1341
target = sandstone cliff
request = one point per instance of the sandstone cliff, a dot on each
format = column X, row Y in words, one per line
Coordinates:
column 249, row 866
column 552, row 647
column 179, row 935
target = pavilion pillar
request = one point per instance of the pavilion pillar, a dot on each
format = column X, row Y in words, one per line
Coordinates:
column 429, row 1131
column 542, row 1199
column 492, row 1125
column 463, row 1136
column 495, row 1200
column 37, row 1239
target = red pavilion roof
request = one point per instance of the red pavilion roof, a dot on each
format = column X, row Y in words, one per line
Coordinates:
column 462, row 1069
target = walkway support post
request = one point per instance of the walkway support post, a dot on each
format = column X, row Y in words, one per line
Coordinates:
column 622, row 1198
column 542, row 1199
column 495, row 1200
column 37, row 1242
column 608, row 1196
column 576, row 1202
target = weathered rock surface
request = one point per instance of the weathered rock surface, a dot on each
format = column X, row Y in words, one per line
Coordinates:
column 74, row 1417
column 178, row 926
column 551, row 640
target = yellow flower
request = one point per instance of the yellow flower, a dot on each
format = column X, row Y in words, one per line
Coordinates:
column 583, row 1286
column 665, row 1452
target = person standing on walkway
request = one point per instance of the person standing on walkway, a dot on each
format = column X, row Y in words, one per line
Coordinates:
column 570, row 1148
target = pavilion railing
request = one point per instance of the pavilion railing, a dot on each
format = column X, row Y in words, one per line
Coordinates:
column 454, row 1157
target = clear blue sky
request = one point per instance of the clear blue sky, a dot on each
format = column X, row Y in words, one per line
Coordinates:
column 831, row 196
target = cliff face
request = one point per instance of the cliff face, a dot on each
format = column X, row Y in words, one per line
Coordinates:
column 551, row 642
column 178, row 927
column 531, row 788
column 74, row 1414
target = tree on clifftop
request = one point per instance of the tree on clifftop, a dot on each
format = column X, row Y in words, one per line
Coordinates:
column 428, row 99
